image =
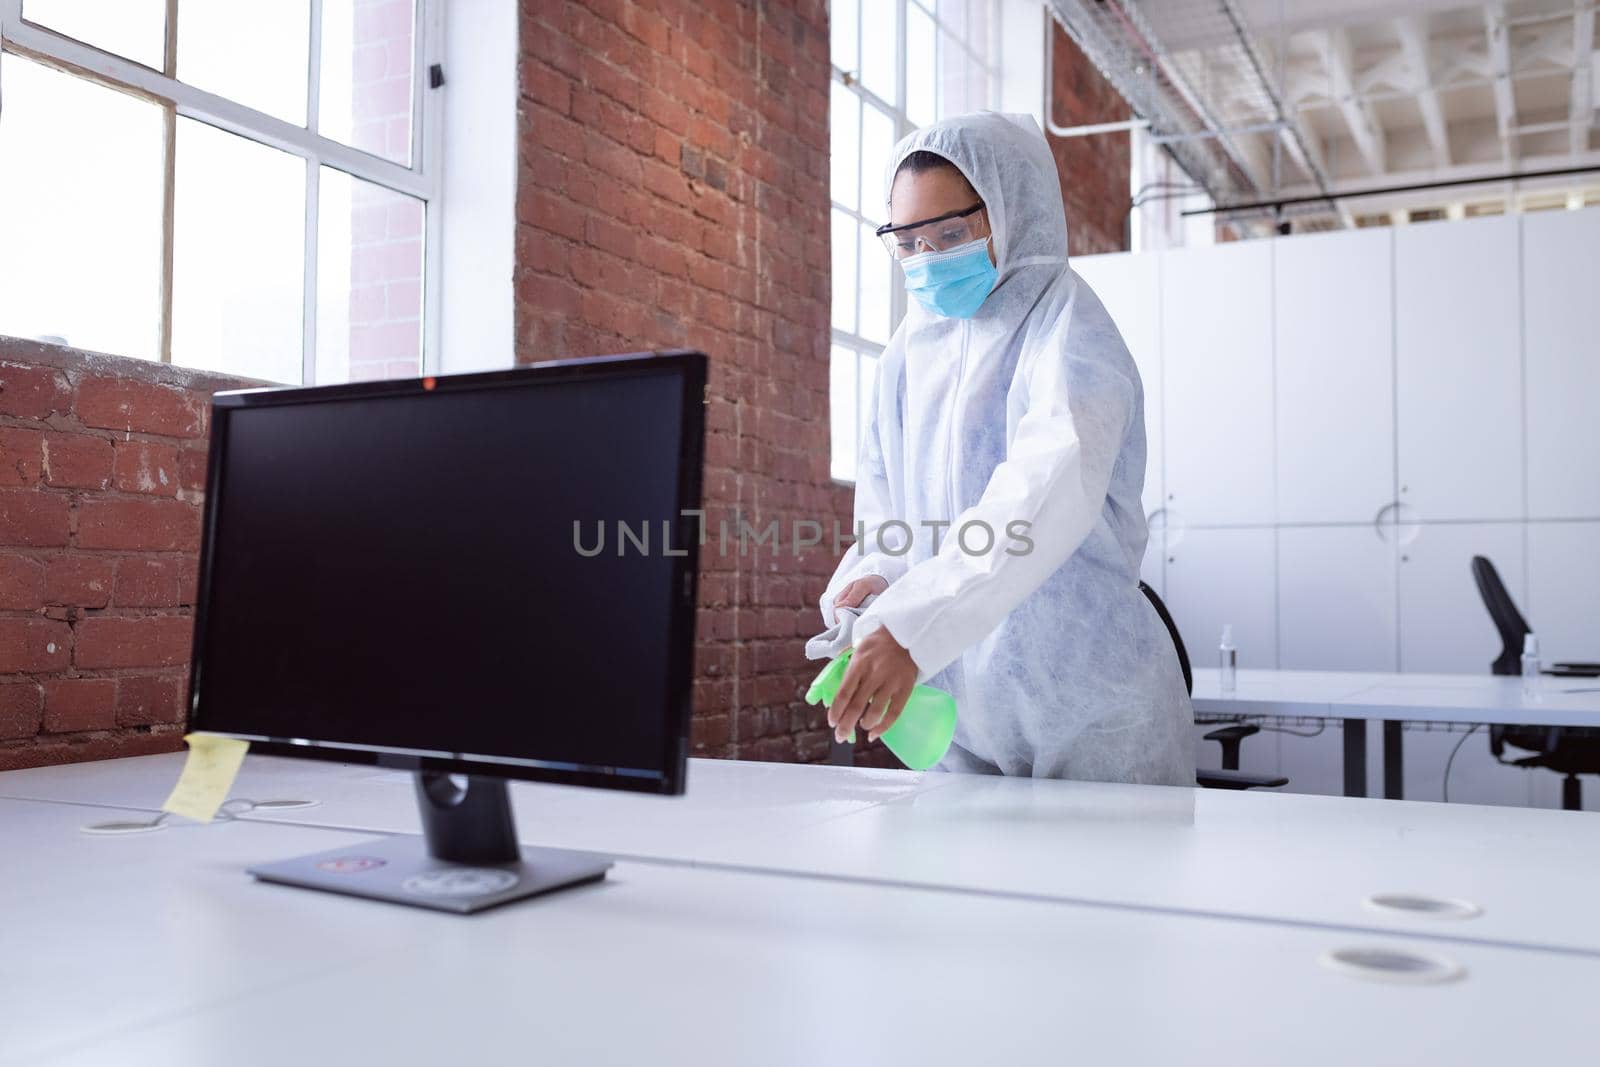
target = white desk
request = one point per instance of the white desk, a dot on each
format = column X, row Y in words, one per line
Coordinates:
column 1281, row 857
column 156, row 949
column 1291, row 858
column 1259, row 692
column 1360, row 697
column 726, row 801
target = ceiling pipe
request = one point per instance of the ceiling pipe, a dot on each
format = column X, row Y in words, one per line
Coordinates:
column 1116, row 58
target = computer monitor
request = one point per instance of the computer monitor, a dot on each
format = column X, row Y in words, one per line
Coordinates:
column 482, row 575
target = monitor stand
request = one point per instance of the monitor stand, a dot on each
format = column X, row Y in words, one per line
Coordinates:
column 468, row 858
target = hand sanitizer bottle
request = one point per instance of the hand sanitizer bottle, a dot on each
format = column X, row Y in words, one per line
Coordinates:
column 1230, row 661
column 1530, row 666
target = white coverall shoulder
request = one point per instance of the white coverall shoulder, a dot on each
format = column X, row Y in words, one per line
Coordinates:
column 1029, row 416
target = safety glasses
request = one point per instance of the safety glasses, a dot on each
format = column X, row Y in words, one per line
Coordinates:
column 950, row 230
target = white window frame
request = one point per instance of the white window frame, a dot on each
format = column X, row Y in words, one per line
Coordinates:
column 421, row 180
column 992, row 66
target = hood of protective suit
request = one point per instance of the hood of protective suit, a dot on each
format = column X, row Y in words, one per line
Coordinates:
column 1006, row 159
column 1026, row 418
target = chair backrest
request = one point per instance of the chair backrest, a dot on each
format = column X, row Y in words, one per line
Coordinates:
column 1172, row 630
column 1503, row 611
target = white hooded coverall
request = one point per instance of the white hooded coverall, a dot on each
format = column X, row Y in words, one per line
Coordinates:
column 1031, row 410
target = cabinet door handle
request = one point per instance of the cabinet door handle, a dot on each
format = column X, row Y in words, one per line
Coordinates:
column 1400, row 518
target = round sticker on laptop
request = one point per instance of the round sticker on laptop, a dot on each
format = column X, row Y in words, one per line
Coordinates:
column 460, row 882
column 350, row 864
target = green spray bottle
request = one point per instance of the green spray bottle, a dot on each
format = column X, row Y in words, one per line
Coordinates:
column 921, row 735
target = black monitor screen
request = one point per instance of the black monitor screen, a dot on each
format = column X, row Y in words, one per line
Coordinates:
column 410, row 571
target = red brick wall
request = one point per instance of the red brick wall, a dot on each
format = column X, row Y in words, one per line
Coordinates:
column 102, row 466
column 386, row 237
column 386, row 228
column 383, row 42
column 673, row 192
column 1094, row 170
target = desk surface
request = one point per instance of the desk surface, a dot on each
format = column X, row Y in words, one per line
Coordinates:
column 727, row 801
column 1287, row 857
column 1411, row 697
column 1282, row 857
column 157, row 949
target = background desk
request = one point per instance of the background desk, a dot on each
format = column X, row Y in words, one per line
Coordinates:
column 1284, row 858
column 1357, row 698
column 156, row 949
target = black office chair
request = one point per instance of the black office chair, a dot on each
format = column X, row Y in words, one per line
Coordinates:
column 1566, row 750
column 1230, row 737
column 1504, row 614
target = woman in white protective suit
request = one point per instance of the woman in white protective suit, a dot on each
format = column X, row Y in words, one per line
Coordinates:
column 998, row 486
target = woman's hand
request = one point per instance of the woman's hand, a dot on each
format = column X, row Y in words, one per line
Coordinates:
column 853, row 594
column 876, row 686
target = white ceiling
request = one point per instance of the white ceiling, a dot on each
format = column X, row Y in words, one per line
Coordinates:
column 1374, row 93
column 1294, row 15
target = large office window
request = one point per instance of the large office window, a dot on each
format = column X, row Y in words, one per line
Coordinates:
column 236, row 185
column 897, row 65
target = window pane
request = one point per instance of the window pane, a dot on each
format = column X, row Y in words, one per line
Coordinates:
column 876, row 280
column 979, row 16
column 81, row 228
column 844, row 120
column 953, row 13
column 254, row 52
column 369, row 281
column 920, row 67
column 879, row 36
column 238, row 255
column 842, row 414
column 877, row 142
column 867, row 372
column 952, row 77
column 364, row 97
column 842, row 18
column 977, row 86
column 134, row 29
column 844, row 272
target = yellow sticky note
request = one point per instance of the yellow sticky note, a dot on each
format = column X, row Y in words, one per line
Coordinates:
column 207, row 776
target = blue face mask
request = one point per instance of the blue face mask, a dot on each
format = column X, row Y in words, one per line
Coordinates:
column 953, row 283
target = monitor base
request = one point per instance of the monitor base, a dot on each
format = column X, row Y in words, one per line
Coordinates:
column 399, row 869
column 467, row 859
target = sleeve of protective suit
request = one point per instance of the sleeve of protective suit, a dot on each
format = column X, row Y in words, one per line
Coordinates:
column 1054, row 479
column 873, row 508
